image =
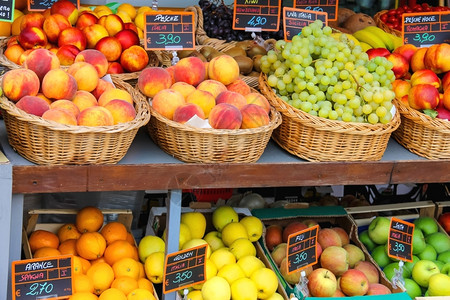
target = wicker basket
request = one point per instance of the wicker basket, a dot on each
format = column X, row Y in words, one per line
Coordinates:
column 319, row 139
column 383, row 25
column 47, row 142
column 422, row 134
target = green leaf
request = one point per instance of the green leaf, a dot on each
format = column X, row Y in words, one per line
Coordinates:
column 430, row 112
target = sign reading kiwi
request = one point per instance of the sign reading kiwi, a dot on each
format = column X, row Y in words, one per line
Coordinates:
column 41, row 5
column 169, row 30
column 256, row 15
column 424, row 29
column 328, row 6
column 7, row 10
column 302, row 249
column 400, row 239
column 295, row 19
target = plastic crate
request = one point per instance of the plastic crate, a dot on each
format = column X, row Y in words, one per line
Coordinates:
column 210, row 195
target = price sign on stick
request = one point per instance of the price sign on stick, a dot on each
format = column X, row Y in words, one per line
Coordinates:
column 256, row 15
column 41, row 5
column 295, row 19
column 328, row 6
column 426, row 28
column 400, row 239
column 301, row 249
column 42, row 278
column 169, row 31
column 184, row 268
column 7, row 10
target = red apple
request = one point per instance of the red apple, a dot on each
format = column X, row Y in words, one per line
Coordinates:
column 444, row 220
column 354, row 283
column 369, row 269
column 401, row 65
column 322, row 283
column 423, row 96
column 374, row 52
column 293, row 227
column 378, row 289
column 274, row 236
column 425, row 76
column 335, row 259
column 327, row 237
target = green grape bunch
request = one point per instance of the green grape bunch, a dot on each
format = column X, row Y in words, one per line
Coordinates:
column 330, row 78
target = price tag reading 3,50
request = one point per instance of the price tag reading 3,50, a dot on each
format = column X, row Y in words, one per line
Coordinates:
column 302, row 249
column 400, row 239
column 256, row 15
column 425, row 29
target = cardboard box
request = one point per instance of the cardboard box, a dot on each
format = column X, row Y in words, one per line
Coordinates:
column 326, row 216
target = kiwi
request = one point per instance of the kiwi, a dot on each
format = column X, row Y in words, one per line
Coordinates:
column 206, row 51
column 183, row 53
column 245, row 44
column 215, row 54
column 253, row 74
column 245, row 64
column 199, row 55
column 256, row 49
column 235, row 51
column 257, row 62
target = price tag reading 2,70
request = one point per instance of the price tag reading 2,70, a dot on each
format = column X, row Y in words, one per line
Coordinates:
column 400, row 239
column 301, row 249
column 256, row 15
column 184, row 268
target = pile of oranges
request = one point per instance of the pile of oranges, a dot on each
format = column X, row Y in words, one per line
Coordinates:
column 105, row 263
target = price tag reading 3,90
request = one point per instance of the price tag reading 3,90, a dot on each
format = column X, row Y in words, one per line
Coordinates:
column 400, row 239
column 302, row 249
column 425, row 29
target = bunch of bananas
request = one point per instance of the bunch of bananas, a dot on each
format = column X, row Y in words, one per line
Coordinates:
column 375, row 37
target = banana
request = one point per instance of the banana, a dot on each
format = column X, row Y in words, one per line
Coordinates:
column 365, row 46
column 398, row 41
column 369, row 38
column 383, row 35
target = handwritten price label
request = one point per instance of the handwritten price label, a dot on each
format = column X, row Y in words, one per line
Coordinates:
column 302, row 249
column 256, row 15
column 7, row 10
column 41, row 5
column 424, row 29
column 295, row 19
column 400, row 239
column 328, row 6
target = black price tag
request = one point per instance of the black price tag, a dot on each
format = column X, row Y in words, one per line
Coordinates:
column 256, row 15
column 42, row 278
column 301, row 249
column 295, row 19
column 425, row 29
column 184, row 268
column 328, row 6
column 169, row 31
column 400, row 239
column 7, row 10
column 41, row 5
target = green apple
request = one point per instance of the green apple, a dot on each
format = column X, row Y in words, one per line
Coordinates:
column 380, row 256
column 439, row 240
column 439, row 285
column 410, row 264
column 428, row 225
column 379, row 230
column 412, row 288
column 390, row 272
column 365, row 239
column 439, row 263
column 444, row 256
column 446, row 269
column 428, row 253
column 422, row 272
column 418, row 242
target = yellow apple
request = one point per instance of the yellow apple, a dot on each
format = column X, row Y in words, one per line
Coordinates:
column 243, row 289
column 254, row 227
column 185, row 235
column 154, row 267
column 223, row 215
column 233, row 231
column 150, row 244
column 249, row 264
column 194, row 295
column 242, row 247
column 266, row 282
column 196, row 222
column 214, row 240
column 222, row 257
column 275, row 296
column 210, row 272
column 216, row 288
column 197, row 242
column 439, row 285
column 231, row 273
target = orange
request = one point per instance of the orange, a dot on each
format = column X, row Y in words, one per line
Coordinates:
column 140, row 294
column 125, row 284
column 46, row 252
column 68, row 247
column 101, row 275
column 82, row 283
column 141, row 270
column 100, row 259
column 83, row 296
column 5, row 28
column 80, row 265
column 89, row 219
column 114, row 231
column 126, row 266
column 112, row 294
column 91, row 245
column 42, row 238
column 67, row 232
column 130, row 239
column 117, row 250
column 146, row 284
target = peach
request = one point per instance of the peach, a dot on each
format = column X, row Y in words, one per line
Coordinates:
column 134, row 59
column 186, row 111
column 95, row 58
column 65, row 8
column 132, row 26
column 258, row 99
column 93, row 34
column 407, row 50
column 203, row 99
column 115, row 68
column 225, row 116
column 17, row 83
column 13, row 53
column 401, row 65
column 166, row 102
column 102, row 86
column 327, row 237
column 113, row 23
column 446, row 99
column 33, row 105
column 425, row 76
column 437, row 58
column 66, row 54
column 232, row 98
column 127, row 38
column 151, row 80
column 400, row 87
column 445, row 81
column 41, row 61
column 171, row 70
column 66, row 105
column 253, row 116
column 190, row 70
column 84, row 99
column 32, row 37
column 239, row 86
column 183, row 87
column 122, row 111
column 223, row 68
column 423, row 96
column 115, row 93
column 72, row 36
column 53, row 25
column 42, row 96
column 32, row 19
column 95, row 116
column 213, row 86
column 85, row 74
column 110, row 47
column 417, row 60
column 86, row 19
column 206, row 63
column 58, row 84
column 60, row 115
column 24, row 55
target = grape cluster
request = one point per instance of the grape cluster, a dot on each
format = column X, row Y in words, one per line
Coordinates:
column 330, row 78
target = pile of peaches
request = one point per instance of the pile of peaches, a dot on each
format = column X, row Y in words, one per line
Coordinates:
column 65, row 30
column 74, row 96
column 210, row 90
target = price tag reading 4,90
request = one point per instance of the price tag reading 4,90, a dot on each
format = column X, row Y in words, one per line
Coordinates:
column 184, row 268
column 400, row 239
column 301, row 249
column 260, row 15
